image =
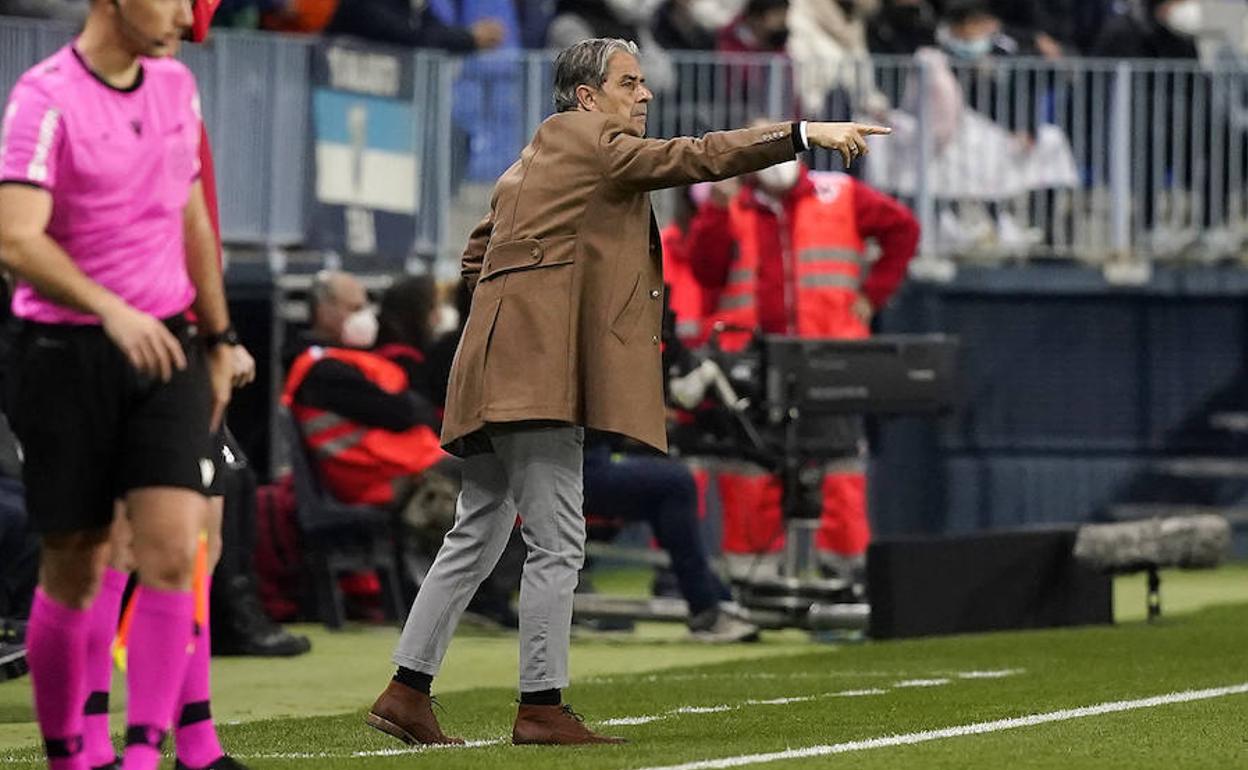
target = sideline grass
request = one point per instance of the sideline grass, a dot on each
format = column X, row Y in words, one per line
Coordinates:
column 1061, row 669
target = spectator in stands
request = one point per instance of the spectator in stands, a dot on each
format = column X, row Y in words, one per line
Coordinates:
column 246, row 14
column 1046, row 26
column 577, row 20
column 902, row 27
column 762, row 28
column 534, row 17
column 1087, row 19
column 828, row 43
column 681, row 25
column 989, row 145
column 747, row 241
column 410, row 23
column 1166, row 30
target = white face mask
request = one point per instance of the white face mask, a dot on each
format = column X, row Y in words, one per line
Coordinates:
column 1184, row 18
column 360, row 329
column 961, row 48
column 780, row 177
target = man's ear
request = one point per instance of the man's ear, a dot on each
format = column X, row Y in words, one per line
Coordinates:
column 585, row 98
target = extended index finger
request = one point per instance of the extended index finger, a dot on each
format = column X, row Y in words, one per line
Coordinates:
column 868, row 129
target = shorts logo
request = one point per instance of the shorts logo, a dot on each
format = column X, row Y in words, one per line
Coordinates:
column 207, row 471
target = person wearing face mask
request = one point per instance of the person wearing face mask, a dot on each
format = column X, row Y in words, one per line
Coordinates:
column 783, row 252
column 969, row 32
column 342, row 388
column 334, row 298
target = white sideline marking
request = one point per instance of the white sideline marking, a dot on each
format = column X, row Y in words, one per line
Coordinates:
column 857, row 693
column 990, row 674
column 977, row 728
column 372, row 753
column 780, row 701
column 763, row 675
column 922, row 683
column 626, row 721
column 648, row 718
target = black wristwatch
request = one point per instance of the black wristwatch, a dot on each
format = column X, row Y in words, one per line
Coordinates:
column 226, row 337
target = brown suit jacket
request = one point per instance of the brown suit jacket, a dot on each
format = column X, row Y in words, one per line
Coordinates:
column 567, row 276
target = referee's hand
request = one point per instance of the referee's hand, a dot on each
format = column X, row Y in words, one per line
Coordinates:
column 147, row 343
column 221, row 376
column 243, row 366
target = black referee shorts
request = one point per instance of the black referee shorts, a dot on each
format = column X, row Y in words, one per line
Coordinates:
column 92, row 428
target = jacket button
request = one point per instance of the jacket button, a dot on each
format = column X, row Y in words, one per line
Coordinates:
column 654, row 294
column 655, row 339
column 535, row 253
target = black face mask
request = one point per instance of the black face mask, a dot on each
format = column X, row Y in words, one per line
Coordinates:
column 777, row 38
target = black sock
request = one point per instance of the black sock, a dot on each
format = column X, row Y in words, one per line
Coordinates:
column 542, row 698
column 414, row 679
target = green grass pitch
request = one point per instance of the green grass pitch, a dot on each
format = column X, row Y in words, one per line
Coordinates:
column 823, row 704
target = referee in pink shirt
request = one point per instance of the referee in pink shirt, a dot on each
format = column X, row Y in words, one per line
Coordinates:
column 103, row 219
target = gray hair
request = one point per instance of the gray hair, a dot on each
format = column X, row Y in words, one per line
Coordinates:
column 585, row 64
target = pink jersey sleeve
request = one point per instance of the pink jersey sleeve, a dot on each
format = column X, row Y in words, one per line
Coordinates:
column 200, row 132
column 31, row 139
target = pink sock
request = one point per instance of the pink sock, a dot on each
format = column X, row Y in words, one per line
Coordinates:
column 195, row 736
column 101, row 629
column 56, row 650
column 160, row 631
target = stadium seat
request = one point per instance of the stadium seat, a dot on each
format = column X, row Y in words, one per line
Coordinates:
column 340, row 538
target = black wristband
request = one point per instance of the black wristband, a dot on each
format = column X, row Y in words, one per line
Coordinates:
column 225, row 337
column 799, row 146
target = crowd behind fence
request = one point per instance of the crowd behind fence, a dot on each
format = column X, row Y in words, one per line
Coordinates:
column 1095, row 160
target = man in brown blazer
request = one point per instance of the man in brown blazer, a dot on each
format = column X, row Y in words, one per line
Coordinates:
column 563, row 335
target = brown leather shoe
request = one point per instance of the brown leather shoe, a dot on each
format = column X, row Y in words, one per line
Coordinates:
column 407, row 714
column 554, row 726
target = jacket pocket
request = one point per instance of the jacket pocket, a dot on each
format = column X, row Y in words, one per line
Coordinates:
column 525, row 254
column 626, row 321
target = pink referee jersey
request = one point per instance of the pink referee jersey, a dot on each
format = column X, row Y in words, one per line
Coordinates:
column 119, row 164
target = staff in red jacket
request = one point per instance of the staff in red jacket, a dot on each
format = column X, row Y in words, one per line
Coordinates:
column 367, row 414
column 783, row 251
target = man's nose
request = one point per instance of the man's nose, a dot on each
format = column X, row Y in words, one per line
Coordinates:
column 185, row 15
column 646, row 95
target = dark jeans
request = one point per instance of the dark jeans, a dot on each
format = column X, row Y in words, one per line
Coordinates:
column 662, row 493
column 19, row 553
